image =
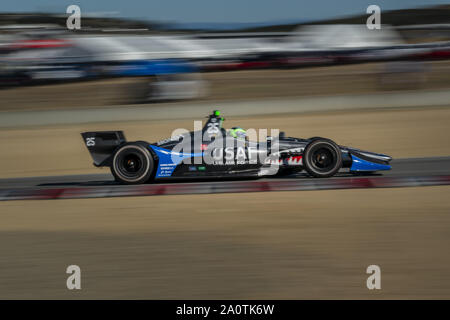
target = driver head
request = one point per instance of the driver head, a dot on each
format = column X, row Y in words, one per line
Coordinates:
column 238, row 133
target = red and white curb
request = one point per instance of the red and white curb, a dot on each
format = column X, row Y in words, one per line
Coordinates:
column 220, row 187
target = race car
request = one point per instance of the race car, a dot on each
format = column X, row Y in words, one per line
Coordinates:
column 214, row 152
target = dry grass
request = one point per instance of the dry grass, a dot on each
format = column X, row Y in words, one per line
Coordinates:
column 291, row 245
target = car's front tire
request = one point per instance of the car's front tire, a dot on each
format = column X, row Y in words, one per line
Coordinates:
column 132, row 164
column 322, row 158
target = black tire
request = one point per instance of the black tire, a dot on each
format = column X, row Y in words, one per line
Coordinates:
column 322, row 158
column 132, row 164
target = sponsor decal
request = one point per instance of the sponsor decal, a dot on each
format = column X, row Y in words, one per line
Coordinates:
column 171, row 139
column 168, row 160
column 212, row 145
column 235, row 156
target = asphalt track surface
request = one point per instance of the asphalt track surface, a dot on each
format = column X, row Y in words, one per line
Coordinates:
column 404, row 173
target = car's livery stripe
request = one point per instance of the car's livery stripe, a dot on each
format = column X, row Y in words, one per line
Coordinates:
column 359, row 164
column 169, row 160
column 221, row 187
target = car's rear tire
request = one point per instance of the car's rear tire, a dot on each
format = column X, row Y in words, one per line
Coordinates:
column 132, row 164
column 322, row 158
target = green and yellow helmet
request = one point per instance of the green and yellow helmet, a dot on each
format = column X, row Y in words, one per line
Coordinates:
column 238, row 132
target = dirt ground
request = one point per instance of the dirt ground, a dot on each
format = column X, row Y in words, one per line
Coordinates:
column 278, row 245
column 241, row 85
column 57, row 150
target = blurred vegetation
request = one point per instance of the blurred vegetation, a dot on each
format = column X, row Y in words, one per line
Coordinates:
column 429, row 15
column 88, row 23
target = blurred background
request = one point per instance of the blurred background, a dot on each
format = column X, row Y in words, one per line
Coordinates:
column 309, row 68
column 126, row 60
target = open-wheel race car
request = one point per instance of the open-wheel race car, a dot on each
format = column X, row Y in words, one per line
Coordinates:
column 214, row 152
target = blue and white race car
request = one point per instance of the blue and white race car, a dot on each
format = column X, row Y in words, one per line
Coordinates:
column 217, row 153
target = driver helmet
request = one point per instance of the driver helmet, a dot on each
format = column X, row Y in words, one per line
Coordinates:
column 238, row 132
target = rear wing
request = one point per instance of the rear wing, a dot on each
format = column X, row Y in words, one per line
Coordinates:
column 102, row 144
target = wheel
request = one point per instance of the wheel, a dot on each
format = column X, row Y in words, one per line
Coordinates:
column 322, row 158
column 132, row 164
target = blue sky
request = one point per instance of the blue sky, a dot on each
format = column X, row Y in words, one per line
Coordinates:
column 229, row 11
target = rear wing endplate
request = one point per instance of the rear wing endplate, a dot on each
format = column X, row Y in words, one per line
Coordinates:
column 102, row 144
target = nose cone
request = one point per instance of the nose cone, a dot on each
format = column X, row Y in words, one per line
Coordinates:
column 361, row 165
column 376, row 156
column 370, row 156
column 368, row 161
